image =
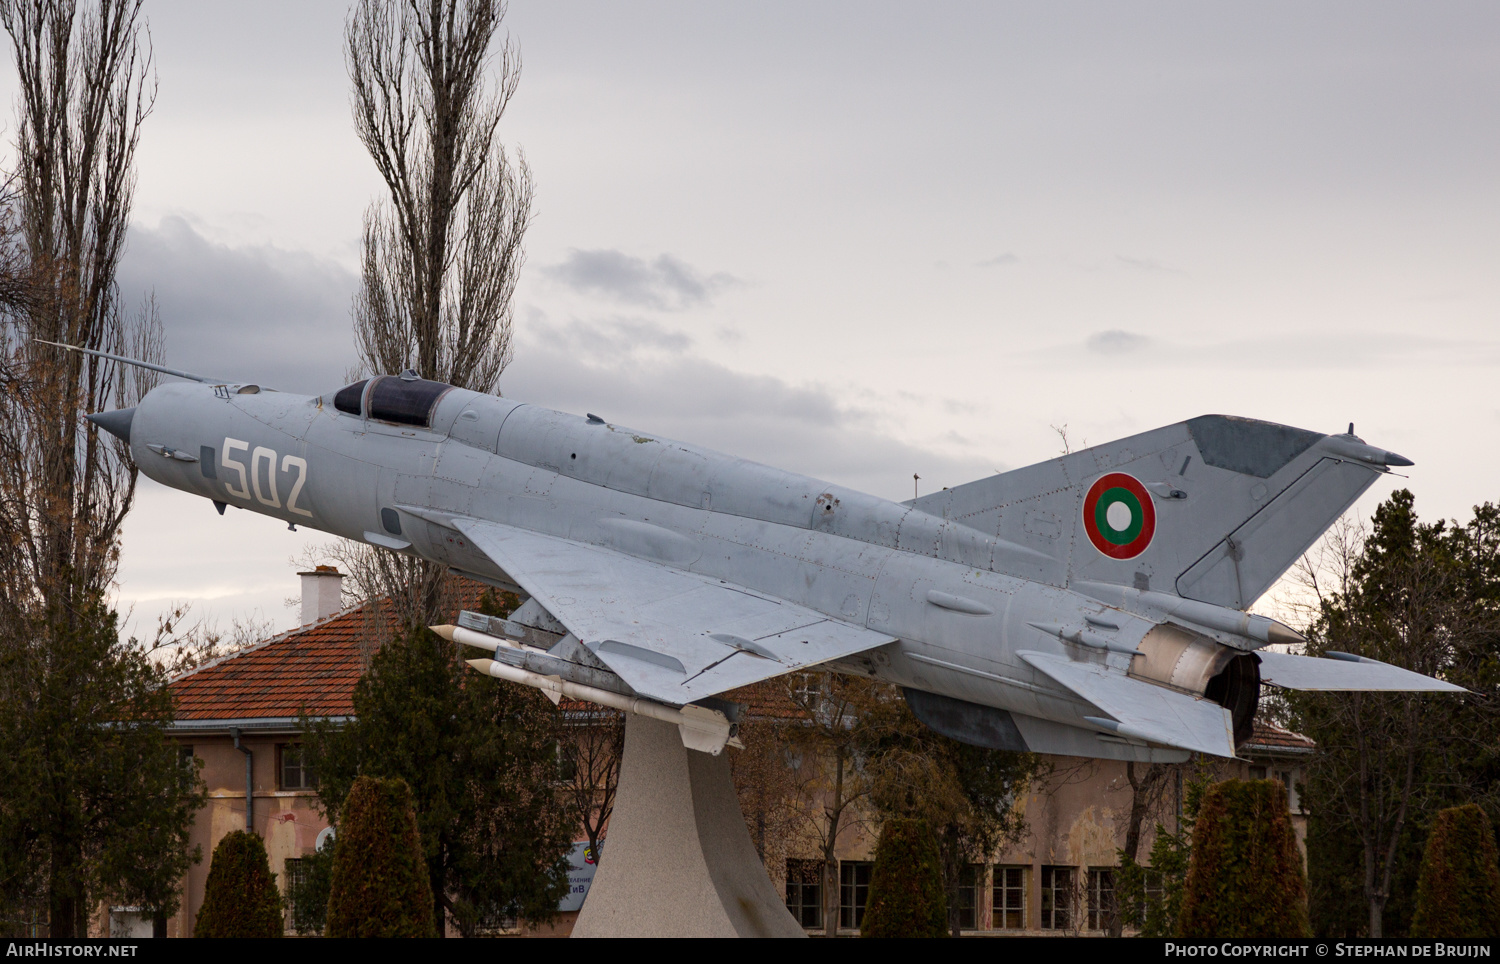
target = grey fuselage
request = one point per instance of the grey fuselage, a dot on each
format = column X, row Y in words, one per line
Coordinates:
column 960, row 603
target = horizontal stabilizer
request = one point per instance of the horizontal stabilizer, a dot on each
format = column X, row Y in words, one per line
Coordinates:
column 1344, row 672
column 674, row 636
column 1143, row 710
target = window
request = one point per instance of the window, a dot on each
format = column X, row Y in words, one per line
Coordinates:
column 1057, row 897
column 1257, row 773
column 1289, row 780
column 854, row 892
column 1101, row 897
column 185, row 756
column 295, row 773
column 970, row 883
column 348, row 398
column 1008, row 899
column 804, row 891
column 493, row 920
column 295, row 882
column 405, row 399
column 1151, row 899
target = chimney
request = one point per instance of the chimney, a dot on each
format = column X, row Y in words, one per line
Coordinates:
column 322, row 593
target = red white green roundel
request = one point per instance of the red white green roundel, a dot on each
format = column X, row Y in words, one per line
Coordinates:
column 1118, row 516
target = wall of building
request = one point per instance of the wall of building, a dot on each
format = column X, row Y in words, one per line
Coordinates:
column 1076, row 819
column 287, row 820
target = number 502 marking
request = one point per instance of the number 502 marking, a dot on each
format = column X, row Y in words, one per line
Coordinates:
column 250, row 476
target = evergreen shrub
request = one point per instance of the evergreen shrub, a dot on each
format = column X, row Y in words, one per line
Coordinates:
column 1245, row 879
column 240, row 898
column 379, row 886
column 1458, row 892
column 906, row 885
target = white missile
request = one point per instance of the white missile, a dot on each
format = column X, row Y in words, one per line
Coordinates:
column 701, row 728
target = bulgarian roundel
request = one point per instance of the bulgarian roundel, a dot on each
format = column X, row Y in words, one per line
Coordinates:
column 1118, row 516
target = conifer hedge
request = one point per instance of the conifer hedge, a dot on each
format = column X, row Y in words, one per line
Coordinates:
column 240, row 898
column 906, row 885
column 379, row 886
column 1245, row 879
column 1458, row 892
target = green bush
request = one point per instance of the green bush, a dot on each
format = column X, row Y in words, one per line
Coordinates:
column 1458, row 892
column 379, row 886
column 1245, row 879
column 240, row 899
column 906, row 885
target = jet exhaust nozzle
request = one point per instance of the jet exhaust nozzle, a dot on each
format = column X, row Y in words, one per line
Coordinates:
column 116, row 423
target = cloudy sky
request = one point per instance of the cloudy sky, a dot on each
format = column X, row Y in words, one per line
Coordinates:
column 869, row 240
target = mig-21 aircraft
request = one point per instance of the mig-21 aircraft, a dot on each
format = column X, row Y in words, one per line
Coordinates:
column 1091, row 605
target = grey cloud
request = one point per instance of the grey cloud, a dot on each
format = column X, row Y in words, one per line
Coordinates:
column 1274, row 351
column 665, row 283
column 998, row 261
column 1116, row 342
column 1146, row 264
column 799, row 428
column 608, row 340
column 254, row 313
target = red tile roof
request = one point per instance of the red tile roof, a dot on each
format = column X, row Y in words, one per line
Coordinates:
column 1269, row 737
column 314, row 668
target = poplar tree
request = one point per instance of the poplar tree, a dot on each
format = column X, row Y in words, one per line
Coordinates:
column 906, row 884
column 379, row 883
column 442, row 251
column 1245, row 879
column 240, row 898
column 94, row 801
column 1458, row 892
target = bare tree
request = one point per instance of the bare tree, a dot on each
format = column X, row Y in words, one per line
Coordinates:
column 836, row 722
column 442, row 256
column 85, row 87
column 442, row 253
column 88, row 810
column 1149, row 786
column 765, row 782
column 591, row 743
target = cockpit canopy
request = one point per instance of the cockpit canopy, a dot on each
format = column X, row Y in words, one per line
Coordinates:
column 404, row 399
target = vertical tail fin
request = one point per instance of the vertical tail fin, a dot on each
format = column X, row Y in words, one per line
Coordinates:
column 1215, row 508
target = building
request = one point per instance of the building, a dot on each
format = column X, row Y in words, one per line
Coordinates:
column 1058, row 879
column 240, row 716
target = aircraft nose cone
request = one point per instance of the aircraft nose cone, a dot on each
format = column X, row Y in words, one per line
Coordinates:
column 116, row 423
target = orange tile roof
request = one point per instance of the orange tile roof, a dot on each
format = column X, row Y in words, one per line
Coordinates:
column 1267, row 736
column 313, row 667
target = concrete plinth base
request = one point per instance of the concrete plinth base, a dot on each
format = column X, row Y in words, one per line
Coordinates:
column 678, row 861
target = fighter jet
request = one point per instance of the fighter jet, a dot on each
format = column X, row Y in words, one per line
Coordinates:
column 1092, row 605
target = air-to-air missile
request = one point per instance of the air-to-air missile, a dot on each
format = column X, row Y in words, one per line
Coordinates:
column 1091, row 605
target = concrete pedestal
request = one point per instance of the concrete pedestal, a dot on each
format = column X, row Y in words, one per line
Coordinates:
column 678, row 861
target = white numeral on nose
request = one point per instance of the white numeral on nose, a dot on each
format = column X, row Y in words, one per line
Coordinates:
column 250, row 475
column 300, row 464
column 231, row 445
column 263, row 453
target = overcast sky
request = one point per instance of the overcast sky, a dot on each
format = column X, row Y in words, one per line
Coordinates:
column 869, row 240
